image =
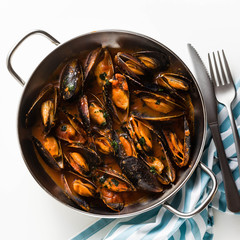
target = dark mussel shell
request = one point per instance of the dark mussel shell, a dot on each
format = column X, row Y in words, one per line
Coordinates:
column 91, row 60
column 48, row 98
column 113, row 180
column 180, row 149
column 153, row 60
column 77, row 199
column 140, row 175
column 130, row 65
column 54, row 161
column 71, row 79
column 155, row 106
column 84, row 112
column 91, row 156
column 173, row 81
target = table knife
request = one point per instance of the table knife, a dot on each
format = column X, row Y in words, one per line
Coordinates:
column 207, row 90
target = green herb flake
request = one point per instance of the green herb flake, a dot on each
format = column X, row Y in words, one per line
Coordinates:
column 142, row 141
column 160, row 89
column 102, row 179
column 153, row 170
column 157, row 102
column 71, row 87
column 107, row 82
column 92, row 105
column 104, row 124
column 103, row 76
column 115, row 182
column 115, row 145
column 105, row 115
column 63, row 128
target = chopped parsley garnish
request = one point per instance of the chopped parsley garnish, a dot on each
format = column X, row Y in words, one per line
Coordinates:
column 142, row 141
column 105, row 115
column 157, row 102
column 160, row 89
column 153, row 170
column 71, row 87
column 107, row 82
column 115, row 182
column 63, row 128
column 103, row 76
column 104, row 124
column 115, row 145
column 92, row 105
column 102, row 179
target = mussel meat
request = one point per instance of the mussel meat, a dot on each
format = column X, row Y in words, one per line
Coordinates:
column 50, row 151
column 116, row 97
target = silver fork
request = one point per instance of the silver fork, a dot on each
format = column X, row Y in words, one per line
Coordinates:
column 225, row 92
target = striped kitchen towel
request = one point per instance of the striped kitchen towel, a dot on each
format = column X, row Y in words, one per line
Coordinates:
column 159, row 223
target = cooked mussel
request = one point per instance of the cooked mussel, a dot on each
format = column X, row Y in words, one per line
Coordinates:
column 71, row 79
column 155, row 106
column 104, row 70
column 140, row 174
column 65, row 131
column 77, row 161
column 173, row 81
column 112, row 200
column 130, row 65
column 180, row 148
column 91, row 60
column 152, row 148
column 50, row 151
column 48, row 98
column 92, row 157
column 153, row 60
column 113, row 180
column 78, row 189
column 116, row 97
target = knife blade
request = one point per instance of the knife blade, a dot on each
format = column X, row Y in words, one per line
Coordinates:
column 207, row 90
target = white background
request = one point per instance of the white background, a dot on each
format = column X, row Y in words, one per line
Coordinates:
column 27, row 211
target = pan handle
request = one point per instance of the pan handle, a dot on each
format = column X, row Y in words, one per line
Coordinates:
column 9, row 57
column 204, row 203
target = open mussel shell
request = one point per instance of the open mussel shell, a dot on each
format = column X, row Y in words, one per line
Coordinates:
column 113, row 200
column 70, row 129
column 116, row 97
column 153, row 60
column 84, row 112
column 50, row 151
column 173, row 81
column 71, row 79
column 155, row 106
column 92, row 157
column 130, row 65
column 140, row 175
column 72, row 195
column 104, row 70
column 113, row 180
column 48, row 98
column 180, row 147
column 91, row 61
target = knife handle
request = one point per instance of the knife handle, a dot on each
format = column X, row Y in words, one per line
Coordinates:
column 231, row 191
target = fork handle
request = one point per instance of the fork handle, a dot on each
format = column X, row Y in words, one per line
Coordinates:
column 235, row 133
column 231, row 191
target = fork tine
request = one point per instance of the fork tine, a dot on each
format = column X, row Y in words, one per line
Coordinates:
column 217, row 72
column 214, row 80
column 227, row 68
column 224, row 79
